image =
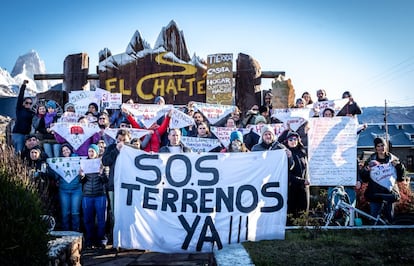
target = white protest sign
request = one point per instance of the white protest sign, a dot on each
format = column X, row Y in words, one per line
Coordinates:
column 384, row 175
column 100, row 93
column 200, row 144
column 180, row 119
column 69, row 117
column 112, row 100
column 223, row 134
column 332, row 144
column 295, row 117
column 82, row 99
column 148, row 114
column 90, row 166
column 135, row 132
column 214, row 112
column 278, row 128
column 335, row 105
column 193, row 202
column 66, row 167
column 75, row 133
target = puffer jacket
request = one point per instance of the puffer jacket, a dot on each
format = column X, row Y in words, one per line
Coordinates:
column 93, row 185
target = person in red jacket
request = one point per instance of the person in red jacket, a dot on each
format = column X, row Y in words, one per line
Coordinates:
column 157, row 131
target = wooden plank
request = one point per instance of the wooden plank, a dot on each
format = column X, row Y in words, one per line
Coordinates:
column 265, row 74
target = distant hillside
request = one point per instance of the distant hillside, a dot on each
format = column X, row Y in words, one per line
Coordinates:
column 375, row 115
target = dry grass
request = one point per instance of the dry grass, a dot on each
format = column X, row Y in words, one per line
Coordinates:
column 336, row 247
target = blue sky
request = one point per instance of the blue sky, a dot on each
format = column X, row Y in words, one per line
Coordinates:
column 364, row 46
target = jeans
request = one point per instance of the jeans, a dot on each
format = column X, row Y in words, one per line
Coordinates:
column 52, row 149
column 70, row 204
column 18, row 141
column 90, row 207
column 388, row 210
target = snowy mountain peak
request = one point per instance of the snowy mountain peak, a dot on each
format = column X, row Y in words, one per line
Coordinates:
column 26, row 66
column 172, row 39
column 104, row 54
column 24, row 69
column 136, row 44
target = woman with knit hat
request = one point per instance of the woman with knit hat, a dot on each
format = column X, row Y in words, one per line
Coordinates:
column 381, row 171
column 236, row 143
column 94, row 202
column 50, row 145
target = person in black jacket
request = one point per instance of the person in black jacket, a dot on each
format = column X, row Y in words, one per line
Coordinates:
column 31, row 141
column 382, row 171
column 94, row 203
column 24, row 116
column 174, row 143
column 109, row 158
column 351, row 108
column 298, row 189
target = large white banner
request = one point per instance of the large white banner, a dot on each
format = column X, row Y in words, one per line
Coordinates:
column 198, row 202
column 332, row 148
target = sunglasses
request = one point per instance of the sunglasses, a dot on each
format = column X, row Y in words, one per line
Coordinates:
column 28, row 102
column 292, row 139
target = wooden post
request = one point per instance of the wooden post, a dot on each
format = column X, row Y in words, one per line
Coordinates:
column 75, row 69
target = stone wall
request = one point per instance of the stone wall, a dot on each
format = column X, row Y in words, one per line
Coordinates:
column 65, row 249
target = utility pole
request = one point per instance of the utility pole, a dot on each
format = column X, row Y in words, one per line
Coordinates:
column 386, row 124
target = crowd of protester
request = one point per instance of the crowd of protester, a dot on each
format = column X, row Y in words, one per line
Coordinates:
column 86, row 203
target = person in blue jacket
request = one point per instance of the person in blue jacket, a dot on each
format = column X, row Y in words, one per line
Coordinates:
column 70, row 195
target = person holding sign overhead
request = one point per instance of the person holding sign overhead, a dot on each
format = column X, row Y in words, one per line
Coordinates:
column 351, row 108
column 157, row 130
column 382, row 171
column 94, row 199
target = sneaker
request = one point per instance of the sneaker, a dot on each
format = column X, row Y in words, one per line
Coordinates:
column 101, row 246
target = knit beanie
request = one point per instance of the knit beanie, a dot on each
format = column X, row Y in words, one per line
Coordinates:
column 259, row 118
column 51, row 104
column 236, row 135
column 159, row 99
column 269, row 128
column 67, row 105
column 94, row 147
